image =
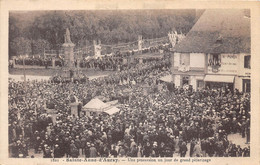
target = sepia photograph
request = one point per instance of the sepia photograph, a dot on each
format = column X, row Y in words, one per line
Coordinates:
column 148, row 83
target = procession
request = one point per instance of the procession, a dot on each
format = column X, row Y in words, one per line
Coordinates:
column 152, row 103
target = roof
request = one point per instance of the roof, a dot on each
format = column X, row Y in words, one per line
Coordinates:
column 218, row 31
column 95, row 105
column 112, row 110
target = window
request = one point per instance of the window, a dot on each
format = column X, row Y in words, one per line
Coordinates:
column 200, row 84
column 247, row 61
column 214, row 60
column 246, row 85
column 185, row 59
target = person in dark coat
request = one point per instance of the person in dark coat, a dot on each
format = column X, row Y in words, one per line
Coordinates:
column 78, row 143
column 47, row 152
column 183, row 149
column 113, row 152
column 133, row 151
column 87, row 151
column 147, row 149
column 83, row 142
column 74, row 152
column 192, row 144
column 57, row 153
column 162, row 150
column 246, row 152
column 93, row 151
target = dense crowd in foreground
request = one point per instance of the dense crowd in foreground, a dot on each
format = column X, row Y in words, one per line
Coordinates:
column 158, row 124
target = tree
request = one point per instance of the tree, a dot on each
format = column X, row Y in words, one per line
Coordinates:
column 20, row 46
column 39, row 46
column 14, row 32
column 111, row 27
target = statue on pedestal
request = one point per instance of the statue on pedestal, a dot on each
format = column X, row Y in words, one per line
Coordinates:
column 67, row 36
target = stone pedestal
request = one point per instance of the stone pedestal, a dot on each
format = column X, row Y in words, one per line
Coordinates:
column 53, row 62
column 140, row 60
column 97, row 49
column 69, row 55
column 74, row 109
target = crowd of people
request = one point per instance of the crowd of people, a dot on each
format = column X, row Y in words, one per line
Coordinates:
column 153, row 121
column 115, row 61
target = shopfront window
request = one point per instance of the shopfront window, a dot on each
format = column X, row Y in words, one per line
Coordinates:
column 247, row 61
column 218, row 85
column 185, row 80
column 200, row 84
column 246, row 85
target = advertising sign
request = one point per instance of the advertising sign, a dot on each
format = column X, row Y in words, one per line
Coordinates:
column 228, row 65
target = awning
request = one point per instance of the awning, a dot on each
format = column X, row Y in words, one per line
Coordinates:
column 167, row 78
column 219, row 78
column 112, row 110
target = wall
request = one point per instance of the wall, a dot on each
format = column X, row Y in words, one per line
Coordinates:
column 229, row 65
column 193, row 82
column 243, row 71
column 177, row 80
column 197, row 60
column 176, row 59
column 238, row 83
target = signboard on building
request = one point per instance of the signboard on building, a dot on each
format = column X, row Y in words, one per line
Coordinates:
column 228, row 64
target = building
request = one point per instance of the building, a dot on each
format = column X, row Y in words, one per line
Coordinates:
column 215, row 52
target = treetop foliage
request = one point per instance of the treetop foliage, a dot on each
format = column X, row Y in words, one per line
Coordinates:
column 30, row 32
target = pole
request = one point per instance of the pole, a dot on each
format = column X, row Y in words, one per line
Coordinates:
column 24, row 75
column 128, row 76
column 44, row 53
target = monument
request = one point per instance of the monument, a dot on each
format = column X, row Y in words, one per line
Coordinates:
column 70, row 68
column 69, row 63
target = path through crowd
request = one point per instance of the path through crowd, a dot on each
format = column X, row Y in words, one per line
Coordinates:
column 238, row 140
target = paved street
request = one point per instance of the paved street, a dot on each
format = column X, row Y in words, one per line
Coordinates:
column 238, row 140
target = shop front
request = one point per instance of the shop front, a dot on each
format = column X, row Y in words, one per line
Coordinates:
column 219, row 81
column 246, row 85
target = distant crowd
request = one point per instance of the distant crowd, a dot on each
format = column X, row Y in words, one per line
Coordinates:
column 115, row 61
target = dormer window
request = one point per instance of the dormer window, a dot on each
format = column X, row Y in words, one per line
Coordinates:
column 219, row 41
column 214, row 60
column 247, row 61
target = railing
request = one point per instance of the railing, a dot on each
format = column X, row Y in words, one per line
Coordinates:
column 123, row 47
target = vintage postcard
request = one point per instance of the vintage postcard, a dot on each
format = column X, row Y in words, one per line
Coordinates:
column 134, row 82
